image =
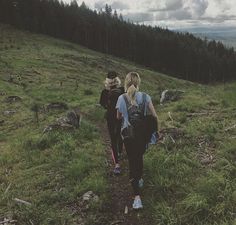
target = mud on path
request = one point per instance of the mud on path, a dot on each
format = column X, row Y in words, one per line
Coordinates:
column 120, row 192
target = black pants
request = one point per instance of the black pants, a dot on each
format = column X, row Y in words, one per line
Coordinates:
column 114, row 127
column 135, row 149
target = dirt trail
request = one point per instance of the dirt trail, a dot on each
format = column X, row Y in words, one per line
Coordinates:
column 120, row 192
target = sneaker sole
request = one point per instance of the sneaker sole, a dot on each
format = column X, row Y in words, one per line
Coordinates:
column 138, row 208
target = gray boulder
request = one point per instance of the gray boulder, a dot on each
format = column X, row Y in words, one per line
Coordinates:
column 90, row 196
column 13, row 98
column 170, row 95
column 70, row 121
column 57, row 106
column 73, row 118
column 9, row 112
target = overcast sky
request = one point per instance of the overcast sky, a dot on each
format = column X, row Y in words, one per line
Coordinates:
column 173, row 13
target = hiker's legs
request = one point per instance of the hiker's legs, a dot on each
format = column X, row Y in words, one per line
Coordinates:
column 119, row 140
column 111, row 123
column 135, row 158
column 120, row 144
column 139, row 168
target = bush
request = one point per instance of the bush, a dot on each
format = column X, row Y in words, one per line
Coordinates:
column 41, row 142
column 88, row 92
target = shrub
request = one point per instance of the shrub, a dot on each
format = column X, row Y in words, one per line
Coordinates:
column 88, row 92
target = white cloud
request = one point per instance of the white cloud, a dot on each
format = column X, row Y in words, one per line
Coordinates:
column 118, row 5
column 173, row 12
column 221, row 7
column 173, row 4
column 140, row 17
column 197, row 8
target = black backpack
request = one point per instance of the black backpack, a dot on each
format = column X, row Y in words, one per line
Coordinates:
column 136, row 118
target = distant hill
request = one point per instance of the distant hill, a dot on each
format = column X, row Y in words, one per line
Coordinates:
column 227, row 35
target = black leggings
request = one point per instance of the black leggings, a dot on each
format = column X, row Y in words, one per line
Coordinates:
column 114, row 127
column 135, row 149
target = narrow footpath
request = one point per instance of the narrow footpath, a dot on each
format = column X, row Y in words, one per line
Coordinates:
column 119, row 210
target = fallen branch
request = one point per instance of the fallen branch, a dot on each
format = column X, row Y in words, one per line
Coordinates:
column 198, row 114
column 207, row 159
column 7, row 189
column 36, row 71
column 201, row 143
column 6, row 221
column 230, row 128
column 22, row 201
column 234, row 137
column 117, row 222
column 172, row 139
column 203, row 113
column 169, row 114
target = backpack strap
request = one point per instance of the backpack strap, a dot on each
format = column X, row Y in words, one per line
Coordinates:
column 144, row 108
column 143, row 104
column 128, row 104
column 144, row 96
column 126, row 101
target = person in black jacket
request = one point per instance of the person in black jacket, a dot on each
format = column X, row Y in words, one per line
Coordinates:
column 108, row 100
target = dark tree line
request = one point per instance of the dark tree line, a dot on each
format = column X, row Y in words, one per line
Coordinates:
column 180, row 55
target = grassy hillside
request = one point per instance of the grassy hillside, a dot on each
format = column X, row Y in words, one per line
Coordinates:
column 189, row 177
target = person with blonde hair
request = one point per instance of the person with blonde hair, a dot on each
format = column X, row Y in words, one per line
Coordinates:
column 132, row 108
column 108, row 100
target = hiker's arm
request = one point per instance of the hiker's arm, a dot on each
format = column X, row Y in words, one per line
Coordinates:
column 153, row 112
column 119, row 108
column 103, row 99
column 119, row 115
column 152, row 109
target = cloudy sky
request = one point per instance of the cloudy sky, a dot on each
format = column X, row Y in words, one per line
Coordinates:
column 173, row 13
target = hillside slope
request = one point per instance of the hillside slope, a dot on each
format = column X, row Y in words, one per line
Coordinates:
column 189, row 176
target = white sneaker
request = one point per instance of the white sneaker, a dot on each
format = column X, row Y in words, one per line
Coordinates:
column 141, row 183
column 137, row 204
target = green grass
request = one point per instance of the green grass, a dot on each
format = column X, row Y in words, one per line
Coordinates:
column 183, row 190
column 53, row 170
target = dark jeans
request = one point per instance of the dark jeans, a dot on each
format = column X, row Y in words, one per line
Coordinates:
column 135, row 149
column 114, row 127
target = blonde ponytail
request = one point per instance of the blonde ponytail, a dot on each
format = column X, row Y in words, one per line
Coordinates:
column 131, row 93
column 132, row 82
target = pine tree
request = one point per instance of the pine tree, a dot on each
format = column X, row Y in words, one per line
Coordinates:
column 108, row 10
column 115, row 15
column 121, row 17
